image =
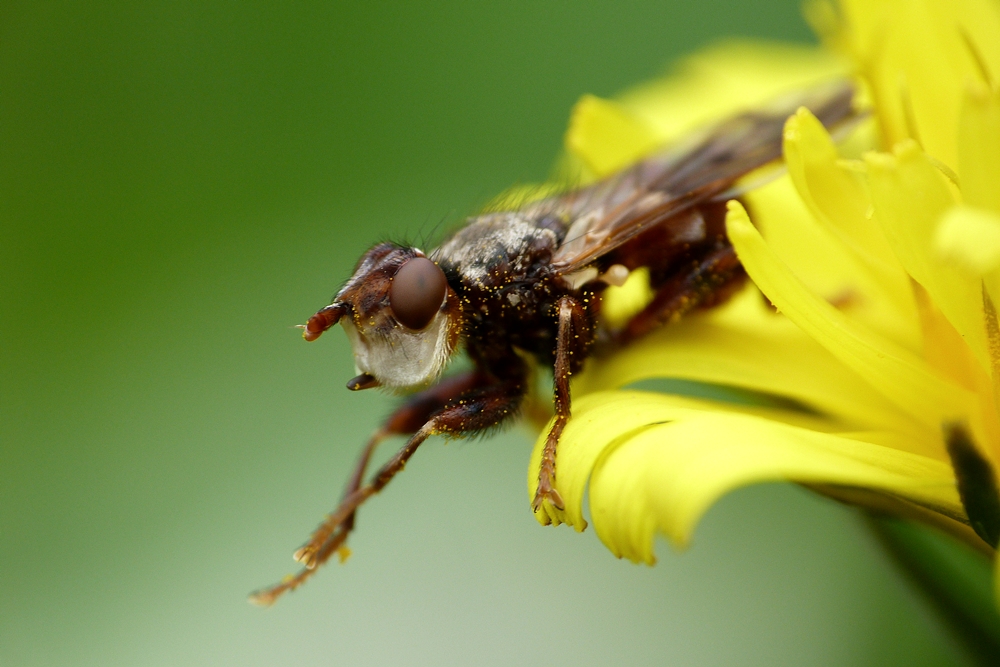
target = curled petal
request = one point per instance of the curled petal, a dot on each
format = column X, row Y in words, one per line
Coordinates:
column 656, row 463
column 898, row 374
column 838, row 200
column 834, row 194
column 811, row 252
column 910, row 196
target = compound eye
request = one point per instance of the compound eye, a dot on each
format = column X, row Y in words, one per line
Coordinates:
column 417, row 292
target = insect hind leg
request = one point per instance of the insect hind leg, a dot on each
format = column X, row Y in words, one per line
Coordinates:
column 706, row 280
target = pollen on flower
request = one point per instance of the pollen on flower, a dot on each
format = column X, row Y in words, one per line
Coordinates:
column 623, row 302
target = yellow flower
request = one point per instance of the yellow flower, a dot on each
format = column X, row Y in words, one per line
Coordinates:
column 884, row 269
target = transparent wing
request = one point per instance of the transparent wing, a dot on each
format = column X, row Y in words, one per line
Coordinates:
column 605, row 215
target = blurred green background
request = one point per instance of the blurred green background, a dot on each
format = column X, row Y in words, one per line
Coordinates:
column 180, row 182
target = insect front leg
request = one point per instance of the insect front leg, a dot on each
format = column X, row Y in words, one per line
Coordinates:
column 332, row 534
column 467, row 402
column 572, row 340
column 473, row 410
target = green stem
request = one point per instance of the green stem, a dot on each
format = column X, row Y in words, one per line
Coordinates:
column 957, row 581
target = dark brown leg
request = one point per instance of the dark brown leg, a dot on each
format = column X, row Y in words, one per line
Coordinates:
column 708, row 281
column 571, row 332
column 463, row 403
column 335, row 542
column 476, row 409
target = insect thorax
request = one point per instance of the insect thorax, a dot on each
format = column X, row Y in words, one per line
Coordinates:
column 497, row 249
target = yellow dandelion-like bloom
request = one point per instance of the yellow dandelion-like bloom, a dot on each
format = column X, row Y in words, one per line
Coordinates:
column 881, row 256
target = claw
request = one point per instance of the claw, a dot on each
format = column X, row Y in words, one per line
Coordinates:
column 549, row 494
column 306, row 555
column 262, row 598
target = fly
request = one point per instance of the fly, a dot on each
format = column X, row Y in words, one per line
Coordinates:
column 530, row 281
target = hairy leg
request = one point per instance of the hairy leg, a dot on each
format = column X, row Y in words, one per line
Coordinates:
column 708, row 281
column 457, row 405
column 572, row 334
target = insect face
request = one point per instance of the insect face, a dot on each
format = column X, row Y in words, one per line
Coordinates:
column 401, row 318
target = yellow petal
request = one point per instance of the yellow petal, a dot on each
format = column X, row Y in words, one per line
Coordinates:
column 979, row 148
column 874, row 283
column 898, row 374
column 724, row 78
column 715, row 83
column 812, row 254
column 910, row 196
column 656, row 463
column 606, row 136
column 746, row 344
column 916, row 56
column 970, row 237
column 944, row 348
column 517, row 196
column 591, row 435
column 831, row 269
column 836, row 195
